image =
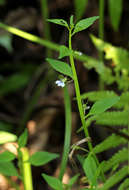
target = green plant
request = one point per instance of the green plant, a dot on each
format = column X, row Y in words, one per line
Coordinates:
column 101, row 175
column 25, row 161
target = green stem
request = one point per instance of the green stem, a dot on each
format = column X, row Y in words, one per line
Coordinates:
column 26, row 169
column 67, row 138
column 78, row 95
column 46, row 43
column 79, row 102
column 101, row 34
column 46, row 29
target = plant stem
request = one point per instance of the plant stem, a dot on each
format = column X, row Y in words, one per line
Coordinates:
column 46, row 29
column 26, row 169
column 78, row 95
column 46, row 43
column 101, row 34
column 67, row 138
column 79, row 102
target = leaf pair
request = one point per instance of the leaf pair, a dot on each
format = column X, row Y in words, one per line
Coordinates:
column 56, row 184
column 81, row 25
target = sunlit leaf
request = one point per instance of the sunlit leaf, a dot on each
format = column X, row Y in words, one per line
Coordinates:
column 7, row 137
column 84, row 24
column 60, row 66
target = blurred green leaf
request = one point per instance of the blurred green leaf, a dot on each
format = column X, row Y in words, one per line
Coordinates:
column 6, row 42
column 53, row 182
column 6, row 156
column 84, row 24
column 22, row 140
column 8, row 169
column 64, row 51
column 6, row 126
column 73, row 180
column 115, row 12
column 13, row 83
column 41, row 158
column 2, row 2
column 80, row 8
column 60, row 66
column 7, row 137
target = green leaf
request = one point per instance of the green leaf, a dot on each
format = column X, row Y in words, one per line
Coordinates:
column 90, row 169
column 80, row 8
column 59, row 22
column 22, row 140
column 60, row 66
column 53, row 182
column 41, row 158
column 73, row 180
column 12, row 83
column 102, row 105
column 6, row 42
column 84, row 24
column 64, row 51
column 71, row 22
column 7, row 137
column 8, row 169
column 6, row 156
column 2, row 2
column 115, row 12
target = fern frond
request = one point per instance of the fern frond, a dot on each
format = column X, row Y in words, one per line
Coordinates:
column 116, row 178
column 117, row 158
column 98, row 95
column 113, row 118
column 110, row 142
column 124, row 185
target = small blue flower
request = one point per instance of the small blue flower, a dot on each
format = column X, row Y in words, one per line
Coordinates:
column 60, row 83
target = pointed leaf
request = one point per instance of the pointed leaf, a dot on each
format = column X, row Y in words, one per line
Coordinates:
column 59, row 22
column 41, row 158
column 84, row 24
column 102, row 105
column 90, row 169
column 8, row 169
column 80, row 8
column 53, row 182
column 60, row 66
column 22, row 140
column 73, row 180
column 115, row 12
column 64, row 51
column 6, row 156
column 7, row 137
column 71, row 22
